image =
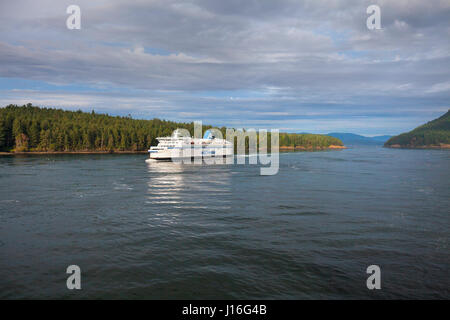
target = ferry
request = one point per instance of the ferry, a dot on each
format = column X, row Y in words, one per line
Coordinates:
column 181, row 146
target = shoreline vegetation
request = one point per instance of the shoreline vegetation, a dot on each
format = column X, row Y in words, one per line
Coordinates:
column 440, row 146
column 2, row 153
column 283, row 148
column 30, row 129
column 432, row 135
column 301, row 148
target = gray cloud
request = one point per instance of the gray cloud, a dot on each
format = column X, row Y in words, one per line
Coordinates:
column 296, row 58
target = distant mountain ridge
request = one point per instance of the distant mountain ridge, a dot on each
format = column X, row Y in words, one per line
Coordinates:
column 356, row 139
column 432, row 135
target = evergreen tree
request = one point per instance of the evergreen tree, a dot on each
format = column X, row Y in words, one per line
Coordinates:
column 35, row 132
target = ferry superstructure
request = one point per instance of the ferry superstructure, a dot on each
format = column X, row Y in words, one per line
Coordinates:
column 179, row 146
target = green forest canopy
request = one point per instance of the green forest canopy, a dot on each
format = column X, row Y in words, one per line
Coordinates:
column 30, row 128
column 432, row 133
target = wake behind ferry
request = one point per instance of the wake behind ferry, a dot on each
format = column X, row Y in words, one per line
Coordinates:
column 179, row 146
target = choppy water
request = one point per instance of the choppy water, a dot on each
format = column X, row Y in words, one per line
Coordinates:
column 164, row 230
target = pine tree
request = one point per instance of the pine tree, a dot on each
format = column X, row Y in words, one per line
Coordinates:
column 35, row 132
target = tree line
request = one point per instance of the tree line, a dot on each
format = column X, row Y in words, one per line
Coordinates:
column 308, row 140
column 29, row 128
column 432, row 133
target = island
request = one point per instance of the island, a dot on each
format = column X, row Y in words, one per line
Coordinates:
column 31, row 129
column 432, row 135
column 309, row 142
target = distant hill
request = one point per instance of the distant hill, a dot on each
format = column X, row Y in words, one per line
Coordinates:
column 382, row 139
column 356, row 139
column 434, row 134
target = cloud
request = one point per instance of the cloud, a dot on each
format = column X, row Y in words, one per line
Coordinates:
column 233, row 59
column 439, row 87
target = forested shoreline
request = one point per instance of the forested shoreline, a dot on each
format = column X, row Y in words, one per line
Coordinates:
column 434, row 134
column 29, row 128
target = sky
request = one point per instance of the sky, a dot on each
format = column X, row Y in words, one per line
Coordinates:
column 298, row 66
